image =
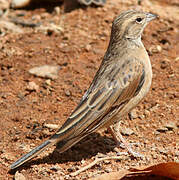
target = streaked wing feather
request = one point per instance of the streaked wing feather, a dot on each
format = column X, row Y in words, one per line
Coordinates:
column 104, row 101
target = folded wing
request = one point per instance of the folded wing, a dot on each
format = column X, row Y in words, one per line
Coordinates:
column 102, row 102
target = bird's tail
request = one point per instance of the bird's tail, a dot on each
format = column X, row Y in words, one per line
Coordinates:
column 31, row 154
column 62, row 146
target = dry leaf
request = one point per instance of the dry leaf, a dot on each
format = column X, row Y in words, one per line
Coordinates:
column 170, row 170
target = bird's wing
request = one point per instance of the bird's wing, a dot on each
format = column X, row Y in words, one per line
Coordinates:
column 112, row 90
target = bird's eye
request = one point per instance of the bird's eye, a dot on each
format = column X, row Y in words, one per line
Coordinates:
column 138, row 20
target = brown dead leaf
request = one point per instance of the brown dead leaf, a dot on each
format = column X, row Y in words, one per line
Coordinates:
column 170, row 170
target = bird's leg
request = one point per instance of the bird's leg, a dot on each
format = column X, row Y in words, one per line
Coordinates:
column 117, row 136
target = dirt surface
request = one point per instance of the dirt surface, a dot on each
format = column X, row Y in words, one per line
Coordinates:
column 76, row 41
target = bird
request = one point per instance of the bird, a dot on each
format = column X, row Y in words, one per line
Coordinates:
column 121, row 82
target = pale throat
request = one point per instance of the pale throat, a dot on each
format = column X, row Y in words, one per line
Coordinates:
column 133, row 42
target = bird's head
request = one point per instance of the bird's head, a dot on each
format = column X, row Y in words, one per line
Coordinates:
column 130, row 24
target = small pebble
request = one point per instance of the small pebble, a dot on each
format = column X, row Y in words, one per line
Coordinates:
column 88, row 47
column 170, row 126
column 177, row 59
column 147, row 113
column 46, row 71
column 67, row 92
column 51, row 126
column 127, row 131
column 19, row 176
column 154, row 156
column 7, row 156
column 162, row 129
column 57, row 10
column 32, row 86
column 158, row 138
column 100, row 155
column 45, row 132
column 163, row 151
column 108, row 170
column 156, row 132
column 158, row 48
column 164, row 64
column 133, row 114
column 19, row 3
column 71, row 169
column 142, row 116
column 56, row 168
column 176, row 159
column 48, row 82
column 155, row 49
column 83, row 161
column 106, row 162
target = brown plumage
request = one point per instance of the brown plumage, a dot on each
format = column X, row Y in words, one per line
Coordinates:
column 123, row 79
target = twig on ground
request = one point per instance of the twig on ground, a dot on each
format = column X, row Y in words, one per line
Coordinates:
column 25, row 24
column 94, row 163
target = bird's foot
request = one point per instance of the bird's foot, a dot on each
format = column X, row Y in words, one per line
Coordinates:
column 118, row 138
column 130, row 150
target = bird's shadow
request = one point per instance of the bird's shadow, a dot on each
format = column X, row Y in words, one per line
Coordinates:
column 87, row 148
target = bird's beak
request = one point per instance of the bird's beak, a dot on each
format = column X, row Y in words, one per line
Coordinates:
column 151, row 16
